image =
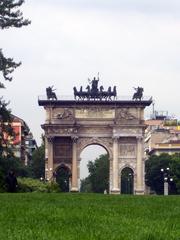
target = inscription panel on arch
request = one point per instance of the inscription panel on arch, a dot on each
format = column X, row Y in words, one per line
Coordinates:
column 97, row 113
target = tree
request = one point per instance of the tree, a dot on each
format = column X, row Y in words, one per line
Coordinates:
column 38, row 162
column 99, row 174
column 175, row 170
column 154, row 176
column 86, row 185
column 6, row 131
column 10, row 16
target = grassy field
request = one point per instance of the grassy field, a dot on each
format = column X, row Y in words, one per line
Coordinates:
column 88, row 216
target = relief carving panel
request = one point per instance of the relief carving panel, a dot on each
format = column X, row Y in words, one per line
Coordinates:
column 63, row 114
column 127, row 116
column 127, row 149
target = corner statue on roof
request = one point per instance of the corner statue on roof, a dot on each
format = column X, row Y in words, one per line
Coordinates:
column 51, row 95
column 138, row 94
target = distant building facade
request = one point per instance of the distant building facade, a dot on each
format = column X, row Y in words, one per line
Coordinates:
column 23, row 143
column 162, row 135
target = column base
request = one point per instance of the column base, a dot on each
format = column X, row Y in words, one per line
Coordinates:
column 139, row 192
column 115, row 191
column 74, row 189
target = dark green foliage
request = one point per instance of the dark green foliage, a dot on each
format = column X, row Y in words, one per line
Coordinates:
column 35, row 185
column 37, row 164
column 86, row 185
column 11, row 163
column 7, row 66
column 175, row 171
column 6, row 132
column 154, row 176
column 99, row 174
column 10, row 16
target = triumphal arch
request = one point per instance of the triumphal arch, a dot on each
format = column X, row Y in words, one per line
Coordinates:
column 98, row 117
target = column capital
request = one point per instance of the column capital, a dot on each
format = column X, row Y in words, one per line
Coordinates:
column 139, row 138
column 50, row 139
column 74, row 139
column 115, row 138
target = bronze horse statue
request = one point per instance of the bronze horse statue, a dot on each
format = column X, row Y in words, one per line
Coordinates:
column 138, row 94
column 50, row 93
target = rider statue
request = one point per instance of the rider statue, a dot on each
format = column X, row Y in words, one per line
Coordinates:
column 139, row 93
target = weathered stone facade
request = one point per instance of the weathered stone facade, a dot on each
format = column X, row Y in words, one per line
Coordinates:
column 118, row 126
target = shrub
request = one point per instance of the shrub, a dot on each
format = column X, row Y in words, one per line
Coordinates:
column 35, row 185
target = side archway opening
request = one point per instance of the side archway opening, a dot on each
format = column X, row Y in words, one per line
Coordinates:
column 63, row 175
column 127, row 181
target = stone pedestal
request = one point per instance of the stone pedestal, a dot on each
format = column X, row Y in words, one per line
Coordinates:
column 166, row 186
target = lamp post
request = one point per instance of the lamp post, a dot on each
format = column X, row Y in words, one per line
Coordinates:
column 166, row 178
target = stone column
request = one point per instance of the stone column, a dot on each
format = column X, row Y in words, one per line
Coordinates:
column 74, row 184
column 49, row 156
column 46, row 157
column 140, row 167
column 115, row 185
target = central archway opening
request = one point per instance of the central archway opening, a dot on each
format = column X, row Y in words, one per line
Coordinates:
column 94, row 169
column 127, row 181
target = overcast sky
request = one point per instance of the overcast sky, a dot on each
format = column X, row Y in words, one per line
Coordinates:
column 129, row 42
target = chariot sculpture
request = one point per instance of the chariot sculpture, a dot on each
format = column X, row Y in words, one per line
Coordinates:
column 95, row 93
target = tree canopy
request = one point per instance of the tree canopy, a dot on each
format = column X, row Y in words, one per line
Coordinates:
column 10, row 16
column 98, row 179
column 37, row 165
column 154, row 176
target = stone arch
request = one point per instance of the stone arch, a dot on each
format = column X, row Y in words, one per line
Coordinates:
column 127, row 165
column 85, row 142
column 61, row 165
column 72, row 125
column 105, row 143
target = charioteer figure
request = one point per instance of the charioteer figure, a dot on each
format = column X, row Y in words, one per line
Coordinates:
column 95, row 84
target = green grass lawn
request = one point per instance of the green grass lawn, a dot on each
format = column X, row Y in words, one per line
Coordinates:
column 53, row 216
